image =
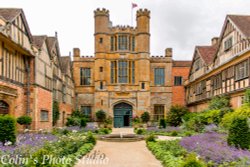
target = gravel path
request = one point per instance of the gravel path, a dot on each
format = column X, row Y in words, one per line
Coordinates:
column 120, row 154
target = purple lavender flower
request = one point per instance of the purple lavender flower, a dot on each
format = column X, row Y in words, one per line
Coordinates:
column 213, row 147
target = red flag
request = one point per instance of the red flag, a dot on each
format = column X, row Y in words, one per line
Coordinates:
column 134, row 5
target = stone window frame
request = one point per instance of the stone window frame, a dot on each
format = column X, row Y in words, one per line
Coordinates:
column 159, row 76
column 85, row 76
column 158, row 112
column 44, row 115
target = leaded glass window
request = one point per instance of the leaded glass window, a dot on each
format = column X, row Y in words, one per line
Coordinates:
column 85, row 76
column 123, row 71
column 159, row 76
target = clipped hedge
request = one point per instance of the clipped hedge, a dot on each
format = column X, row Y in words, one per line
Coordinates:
column 7, row 129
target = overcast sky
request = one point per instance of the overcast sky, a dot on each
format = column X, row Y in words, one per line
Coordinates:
column 180, row 24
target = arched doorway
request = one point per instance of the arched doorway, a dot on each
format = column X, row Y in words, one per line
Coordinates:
column 4, row 107
column 123, row 113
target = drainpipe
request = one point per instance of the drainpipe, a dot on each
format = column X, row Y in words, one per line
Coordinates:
column 27, row 69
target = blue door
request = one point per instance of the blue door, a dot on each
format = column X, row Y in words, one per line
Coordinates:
column 122, row 115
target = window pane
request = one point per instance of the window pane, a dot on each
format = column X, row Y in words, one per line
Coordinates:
column 44, row 115
column 86, row 110
column 159, row 76
column 123, row 71
column 85, row 76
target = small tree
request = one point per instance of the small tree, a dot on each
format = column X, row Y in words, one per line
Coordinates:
column 174, row 117
column 145, row 117
column 101, row 115
column 24, row 120
column 239, row 133
column 7, row 129
column 56, row 112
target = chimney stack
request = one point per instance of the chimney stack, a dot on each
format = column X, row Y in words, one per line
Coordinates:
column 214, row 41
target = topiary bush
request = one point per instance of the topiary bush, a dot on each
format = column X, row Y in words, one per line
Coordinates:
column 24, row 120
column 83, row 123
column 7, row 129
column 174, row 117
column 101, row 115
column 162, row 123
column 145, row 117
column 239, row 133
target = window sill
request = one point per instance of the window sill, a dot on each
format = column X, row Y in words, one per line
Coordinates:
column 45, row 121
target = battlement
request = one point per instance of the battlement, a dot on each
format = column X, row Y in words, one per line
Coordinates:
column 87, row 56
column 123, row 28
column 157, row 57
column 143, row 12
column 101, row 12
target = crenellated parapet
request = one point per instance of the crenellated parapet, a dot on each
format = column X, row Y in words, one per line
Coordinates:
column 125, row 28
column 101, row 12
column 143, row 12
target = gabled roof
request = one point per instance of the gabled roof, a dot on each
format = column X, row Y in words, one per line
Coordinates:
column 51, row 41
column 39, row 40
column 207, row 53
column 242, row 22
column 181, row 63
column 65, row 63
column 10, row 14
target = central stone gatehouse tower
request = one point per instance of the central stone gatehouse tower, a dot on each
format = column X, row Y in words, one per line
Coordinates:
column 122, row 78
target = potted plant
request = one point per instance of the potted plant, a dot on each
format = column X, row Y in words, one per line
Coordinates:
column 145, row 117
column 24, row 120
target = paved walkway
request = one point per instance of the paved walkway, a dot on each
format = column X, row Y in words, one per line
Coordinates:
column 120, row 154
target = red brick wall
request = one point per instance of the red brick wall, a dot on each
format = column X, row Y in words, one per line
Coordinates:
column 43, row 101
column 63, row 107
column 179, row 91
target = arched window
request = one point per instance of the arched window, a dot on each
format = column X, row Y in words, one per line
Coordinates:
column 4, row 107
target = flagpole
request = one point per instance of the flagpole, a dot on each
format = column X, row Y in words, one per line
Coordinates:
column 132, row 16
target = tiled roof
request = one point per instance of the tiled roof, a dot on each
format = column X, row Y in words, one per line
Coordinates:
column 242, row 22
column 51, row 42
column 39, row 40
column 9, row 13
column 65, row 63
column 180, row 63
column 207, row 53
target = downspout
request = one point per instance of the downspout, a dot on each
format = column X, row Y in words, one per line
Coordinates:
column 27, row 69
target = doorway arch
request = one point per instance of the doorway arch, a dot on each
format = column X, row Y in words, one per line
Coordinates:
column 123, row 114
column 4, row 107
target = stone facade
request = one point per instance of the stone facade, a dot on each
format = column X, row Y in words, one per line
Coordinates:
column 123, row 71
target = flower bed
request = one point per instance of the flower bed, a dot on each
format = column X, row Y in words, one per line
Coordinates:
column 43, row 149
column 213, row 147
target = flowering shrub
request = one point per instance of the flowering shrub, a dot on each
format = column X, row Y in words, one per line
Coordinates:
column 170, row 153
column 27, row 143
column 213, row 147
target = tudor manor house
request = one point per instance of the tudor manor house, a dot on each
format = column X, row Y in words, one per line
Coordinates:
column 122, row 78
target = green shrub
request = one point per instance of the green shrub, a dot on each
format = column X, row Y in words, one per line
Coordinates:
column 56, row 112
column 145, row 117
column 196, row 123
column 219, row 102
column 247, row 97
column 101, row 115
column 174, row 117
column 104, row 131
column 239, row 133
column 162, row 123
column 140, row 131
column 90, row 138
column 170, row 153
column 73, row 121
column 83, row 123
column 192, row 161
column 228, row 118
column 151, row 138
column 7, row 129
column 174, row 133
column 24, row 120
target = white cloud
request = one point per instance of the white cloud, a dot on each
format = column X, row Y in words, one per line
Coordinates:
column 179, row 24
